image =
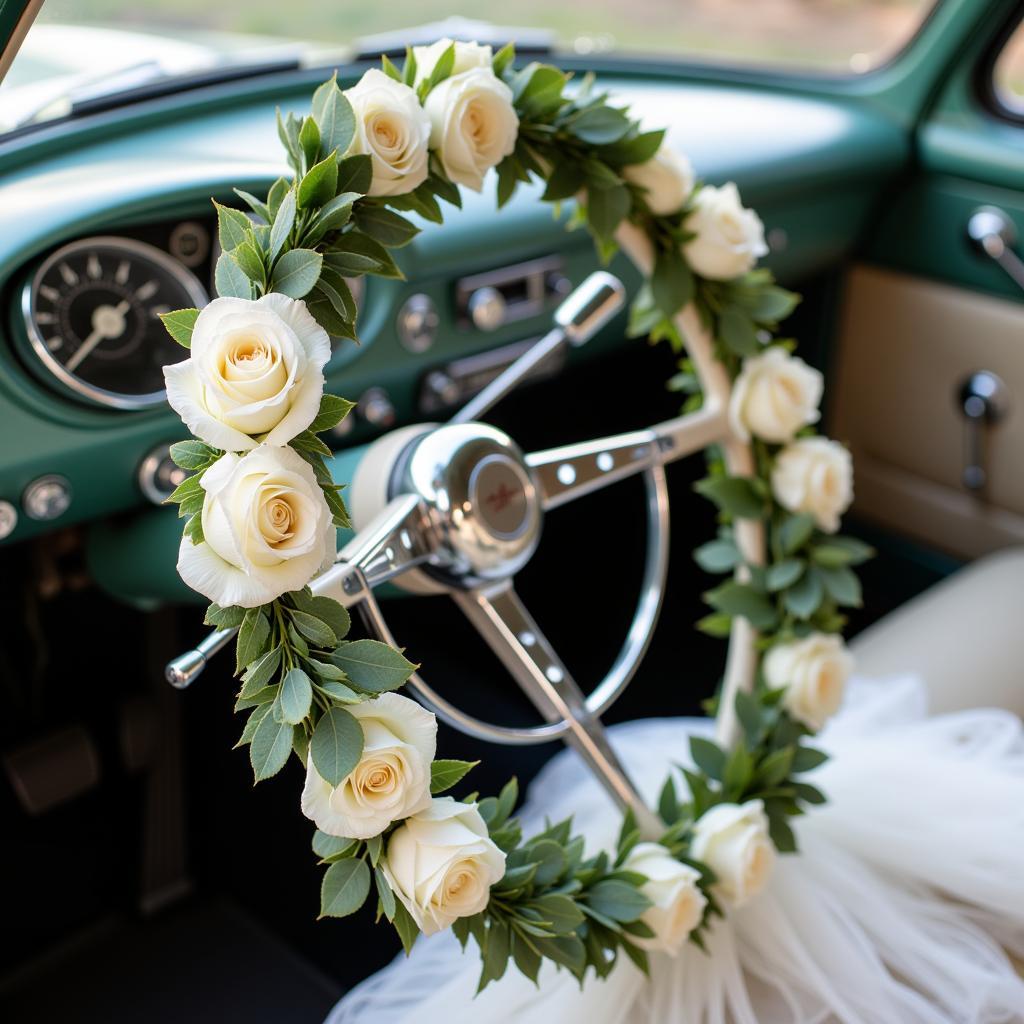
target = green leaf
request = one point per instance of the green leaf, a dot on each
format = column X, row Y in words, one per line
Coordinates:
column 179, row 324
column 802, row 599
column 233, row 227
column 374, row 847
column 775, row 767
column 253, row 637
column 718, row 556
column 194, row 455
column 288, row 133
column 309, row 141
column 224, row 618
column 672, row 283
column 739, row 769
column 250, row 259
column 807, row 759
column 668, row 802
column 736, row 495
column 276, row 196
column 387, row 897
column 808, row 793
column 270, row 747
column 408, row 930
column 781, row 835
column 356, row 244
column 742, row 599
column 318, row 185
column 334, row 117
column 717, row 624
column 315, row 630
column 708, row 757
column 631, row 150
column 372, row 665
column 296, row 696
column 560, row 912
column 326, row 609
column 442, row 70
column 600, row 126
column 252, row 724
column 565, row 180
column 345, row 887
column 328, row 847
column 446, row 773
column 388, row 228
column 260, row 672
column 784, row 574
column 606, row 209
column 355, row 174
column 616, row 900
column 284, row 221
column 549, row 858
column 839, row 551
column 773, row 304
column 296, row 272
column 336, row 212
column 795, row 532
column 844, row 587
column 337, row 745
column 738, row 332
column 259, row 208
column 230, row 280
column 332, row 411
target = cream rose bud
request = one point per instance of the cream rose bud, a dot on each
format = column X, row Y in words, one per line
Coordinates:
column 815, row 476
column 392, row 779
column 667, row 179
column 268, row 529
column 729, row 238
column 392, row 128
column 467, row 55
column 255, row 372
column 441, row 864
column 814, row 672
column 732, row 839
column 677, row 902
column 473, row 125
column 774, row 396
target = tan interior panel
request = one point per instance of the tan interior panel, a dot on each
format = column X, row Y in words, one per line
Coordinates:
column 906, row 345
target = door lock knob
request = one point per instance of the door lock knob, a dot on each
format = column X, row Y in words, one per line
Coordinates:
column 984, row 399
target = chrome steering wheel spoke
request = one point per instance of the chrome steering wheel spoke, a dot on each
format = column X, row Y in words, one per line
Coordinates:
column 512, row 634
column 571, row 471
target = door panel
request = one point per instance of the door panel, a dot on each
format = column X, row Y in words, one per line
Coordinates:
column 906, row 344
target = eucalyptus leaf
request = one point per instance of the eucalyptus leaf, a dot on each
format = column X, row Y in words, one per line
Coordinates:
column 296, row 696
column 337, row 745
column 284, row 221
column 372, row 665
column 296, row 272
column 253, row 637
column 270, row 747
column 334, row 116
column 230, row 280
column 344, row 889
column 233, row 227
column 446, row 773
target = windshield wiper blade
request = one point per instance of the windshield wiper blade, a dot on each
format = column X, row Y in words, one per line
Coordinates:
column 532, row 42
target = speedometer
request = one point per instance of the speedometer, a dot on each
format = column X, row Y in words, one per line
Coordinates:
column 92, row 312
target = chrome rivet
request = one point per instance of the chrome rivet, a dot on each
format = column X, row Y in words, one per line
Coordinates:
column 566, row 474
column 47, row 497
column 605, row 462
column 158, row 476
column 8, row 519
column 376, row 407
column 527, row 639
column 554, row 674
column 487, row 308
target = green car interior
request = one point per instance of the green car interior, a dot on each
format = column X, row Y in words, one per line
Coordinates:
column 144, row 877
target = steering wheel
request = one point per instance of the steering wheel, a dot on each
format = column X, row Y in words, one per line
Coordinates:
column 457, row 509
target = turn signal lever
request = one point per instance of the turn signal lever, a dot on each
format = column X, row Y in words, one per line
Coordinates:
column 577, row 320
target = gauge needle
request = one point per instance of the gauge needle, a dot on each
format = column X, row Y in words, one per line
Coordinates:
column 107, row 322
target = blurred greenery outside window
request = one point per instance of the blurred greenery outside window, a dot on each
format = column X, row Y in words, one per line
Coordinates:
column 1009, row 72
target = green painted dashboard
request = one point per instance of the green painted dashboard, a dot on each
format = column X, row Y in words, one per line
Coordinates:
column 814, row 168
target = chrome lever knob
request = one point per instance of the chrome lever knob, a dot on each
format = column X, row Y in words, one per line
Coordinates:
column 590, row 307
column 983, row 399
column 994, row 235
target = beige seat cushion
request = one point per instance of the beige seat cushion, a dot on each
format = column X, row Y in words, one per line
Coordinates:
column 964, row 637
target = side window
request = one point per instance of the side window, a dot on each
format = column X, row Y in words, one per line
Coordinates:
column 1008, row 75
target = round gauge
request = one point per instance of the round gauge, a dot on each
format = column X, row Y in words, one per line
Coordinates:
column 93, row 317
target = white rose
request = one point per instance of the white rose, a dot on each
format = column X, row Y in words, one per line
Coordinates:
column 678, row 903
column 467, row 55
column 732, row 839
column 255, row 372
column 814, row 475
column 667, row 178
column 814, row 672
column 441, row 864
column 729, row 238
column 392, row 779
column 393, row 129
column 267, row 528
column 473, row 124
column 774, row 396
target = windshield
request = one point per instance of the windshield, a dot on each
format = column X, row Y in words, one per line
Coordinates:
column 123, row 42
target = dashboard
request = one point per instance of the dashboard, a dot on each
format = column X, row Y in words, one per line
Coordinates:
column 108, row 222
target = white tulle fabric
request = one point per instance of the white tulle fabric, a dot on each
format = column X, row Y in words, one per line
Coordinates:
column 899, row 909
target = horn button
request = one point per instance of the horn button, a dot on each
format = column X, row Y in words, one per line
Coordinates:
column 484, row 500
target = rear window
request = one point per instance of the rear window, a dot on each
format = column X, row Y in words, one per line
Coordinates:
column 1008, row 76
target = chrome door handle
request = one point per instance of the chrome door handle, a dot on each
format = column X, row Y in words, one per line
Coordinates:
column 993, row 234
column 983, row 399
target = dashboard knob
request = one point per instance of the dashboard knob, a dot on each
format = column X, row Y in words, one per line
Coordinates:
column 376, row 407
column 443, row 388
column 8, row 519
column 158, row 476
column 417, row 323
column 487, row 308
column 47, row 497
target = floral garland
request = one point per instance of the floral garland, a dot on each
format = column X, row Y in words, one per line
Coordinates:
column 261, row 510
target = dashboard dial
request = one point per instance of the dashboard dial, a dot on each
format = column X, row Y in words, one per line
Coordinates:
column 93, row 317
